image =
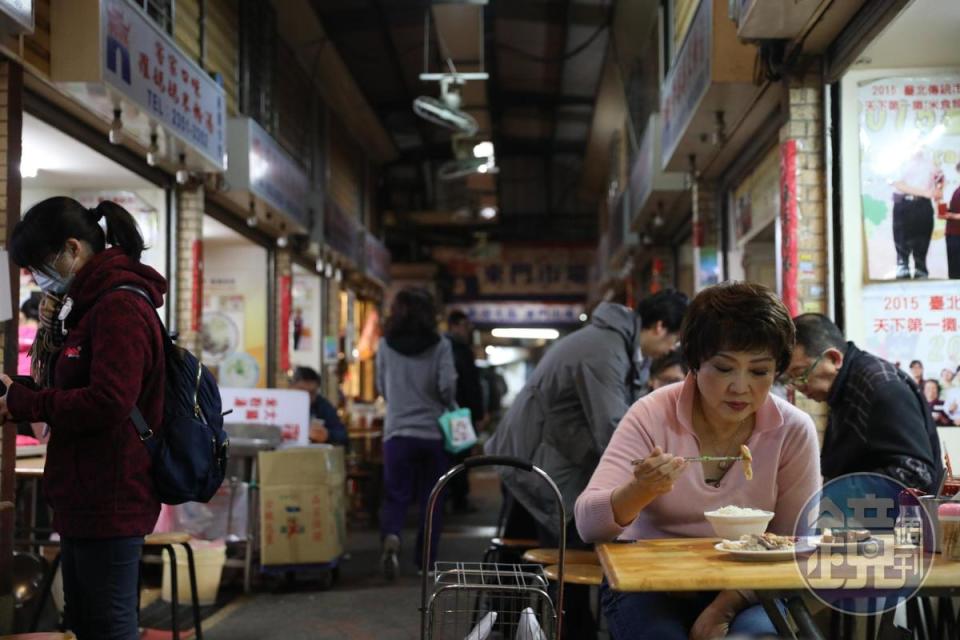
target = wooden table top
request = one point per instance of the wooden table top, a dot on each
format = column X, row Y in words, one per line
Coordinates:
column 692, row 564
column 30, row 466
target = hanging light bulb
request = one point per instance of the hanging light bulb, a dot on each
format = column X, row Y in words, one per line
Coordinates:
column 658, row 220
column 328, row 270
column 183, row 176
column 338, row 275
column 116, row 127
column 320, row 265
column 153, row 151
column 282, row 241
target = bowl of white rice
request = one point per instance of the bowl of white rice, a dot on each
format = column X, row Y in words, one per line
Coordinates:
column 731, row 522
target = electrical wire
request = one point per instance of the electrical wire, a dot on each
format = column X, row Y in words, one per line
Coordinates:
column 552, row 59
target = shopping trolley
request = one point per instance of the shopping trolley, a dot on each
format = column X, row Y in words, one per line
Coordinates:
column 473, row 600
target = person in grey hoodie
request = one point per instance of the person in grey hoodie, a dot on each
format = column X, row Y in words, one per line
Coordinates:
column 563, row 418
column 417, row 379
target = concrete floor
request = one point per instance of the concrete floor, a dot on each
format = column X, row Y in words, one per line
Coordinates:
column 361, row 605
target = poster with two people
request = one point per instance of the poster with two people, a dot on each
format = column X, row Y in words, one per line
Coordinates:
column 910, row 196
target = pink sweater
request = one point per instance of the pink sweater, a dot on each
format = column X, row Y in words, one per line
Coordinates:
column 786, row 468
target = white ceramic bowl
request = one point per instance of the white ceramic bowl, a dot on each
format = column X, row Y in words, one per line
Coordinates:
column 732, row 527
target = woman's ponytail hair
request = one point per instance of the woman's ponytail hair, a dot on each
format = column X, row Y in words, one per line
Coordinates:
column 122, row 230
column 47, row 225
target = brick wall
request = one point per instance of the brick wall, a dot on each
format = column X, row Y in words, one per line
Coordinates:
column 804, row 127
column 189, row 232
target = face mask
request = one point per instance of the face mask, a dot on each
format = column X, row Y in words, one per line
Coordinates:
column 49, row 279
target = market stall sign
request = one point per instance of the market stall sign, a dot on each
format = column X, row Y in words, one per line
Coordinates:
column 641, row 174
column 16, row 16
column 259, row 165
column 519, row 271
column 521, row 313
column 288, row 409
column 342, row 233
column 127, row 61
column 376, row 259
column 688, row 80
column 618, row 224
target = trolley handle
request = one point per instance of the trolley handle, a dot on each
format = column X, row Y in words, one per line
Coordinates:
column 504, row 461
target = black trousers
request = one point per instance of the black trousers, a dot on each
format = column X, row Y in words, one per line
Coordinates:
column 912, row 229
column 100, row 578
column 953, row 257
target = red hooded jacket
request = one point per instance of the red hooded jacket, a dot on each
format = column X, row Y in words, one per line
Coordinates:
column 97, row 476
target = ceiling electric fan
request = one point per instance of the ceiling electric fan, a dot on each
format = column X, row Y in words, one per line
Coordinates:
column 445, row 111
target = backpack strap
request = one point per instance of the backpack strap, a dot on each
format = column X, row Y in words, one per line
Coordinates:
column 136, row 416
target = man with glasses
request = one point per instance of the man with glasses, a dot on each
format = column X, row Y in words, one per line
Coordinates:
column 879, row 420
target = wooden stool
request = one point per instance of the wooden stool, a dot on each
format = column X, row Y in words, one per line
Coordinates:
column 166, row 541
column 507, row 550
column 588, row 574
column 514, row 543
column 552, row 556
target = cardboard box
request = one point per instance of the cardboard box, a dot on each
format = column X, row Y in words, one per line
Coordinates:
column 302, row 505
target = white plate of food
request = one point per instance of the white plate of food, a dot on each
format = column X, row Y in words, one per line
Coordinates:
column 767, row 547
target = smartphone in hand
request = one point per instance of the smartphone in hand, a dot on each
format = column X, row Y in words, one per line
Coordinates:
column 26, row 381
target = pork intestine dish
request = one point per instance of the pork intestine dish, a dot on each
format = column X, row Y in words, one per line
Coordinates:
column 747, row 459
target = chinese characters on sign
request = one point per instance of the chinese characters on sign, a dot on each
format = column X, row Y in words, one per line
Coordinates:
column 919, row 322
column 909, row 148
column 285, row 408
column 687, row 81
column 533, row 271
column 146, row 67
column 520, row 313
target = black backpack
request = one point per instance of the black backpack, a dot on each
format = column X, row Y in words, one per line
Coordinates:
column 190, row 453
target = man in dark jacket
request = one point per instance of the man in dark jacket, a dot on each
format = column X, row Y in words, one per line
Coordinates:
column 332, row 431
column 879, row 420
column 469, row 396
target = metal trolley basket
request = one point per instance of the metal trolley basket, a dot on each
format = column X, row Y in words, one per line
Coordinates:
column 474, row 600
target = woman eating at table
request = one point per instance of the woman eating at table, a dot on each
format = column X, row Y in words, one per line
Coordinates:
column 737, row 338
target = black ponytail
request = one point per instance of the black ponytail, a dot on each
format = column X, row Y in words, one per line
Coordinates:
column 47, row 225
column 122, row 230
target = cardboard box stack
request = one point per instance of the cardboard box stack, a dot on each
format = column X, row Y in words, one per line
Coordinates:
column 302, row 505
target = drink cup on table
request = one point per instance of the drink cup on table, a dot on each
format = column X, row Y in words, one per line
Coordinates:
column 318, row 431
column 949, row 516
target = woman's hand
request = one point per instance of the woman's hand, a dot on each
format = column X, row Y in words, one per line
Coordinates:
column 652, row 477
column 658, row 471
column 5, row 416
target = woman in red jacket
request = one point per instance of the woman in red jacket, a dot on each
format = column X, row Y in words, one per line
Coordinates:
column 99, row 354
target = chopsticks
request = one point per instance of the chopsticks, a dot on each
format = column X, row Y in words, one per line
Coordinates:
column 701, row 459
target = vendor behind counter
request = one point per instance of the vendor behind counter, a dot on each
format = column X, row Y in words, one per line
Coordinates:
column 332, row 429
